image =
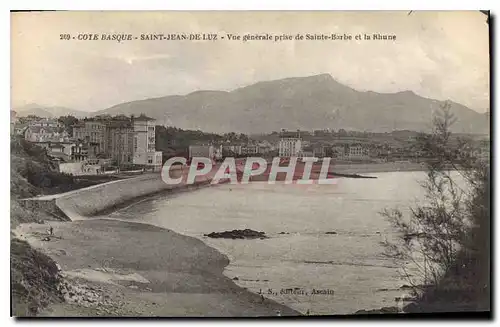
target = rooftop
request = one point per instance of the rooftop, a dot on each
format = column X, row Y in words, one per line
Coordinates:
column 108, row 120
column 56, row 146
column 60, row 156
column 47, row 129
column 287, row 134
column 143, row 117
column 119, row 124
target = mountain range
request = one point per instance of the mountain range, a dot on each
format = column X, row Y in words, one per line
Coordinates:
column 306, row 103
column 49, row 112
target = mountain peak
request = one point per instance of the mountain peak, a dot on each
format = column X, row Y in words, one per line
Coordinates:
column 407, row 92
column 306, row 102
column 206, row 92
column 48, row 111
column 29, row 106
column 324, row 76
column 299, row 79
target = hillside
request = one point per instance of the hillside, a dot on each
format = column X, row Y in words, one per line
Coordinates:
column 49, row 112
column 32, row 173
column 34, row 276
column 308, row 103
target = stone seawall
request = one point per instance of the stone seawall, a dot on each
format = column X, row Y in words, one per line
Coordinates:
column 90, row 201
column 93, row 200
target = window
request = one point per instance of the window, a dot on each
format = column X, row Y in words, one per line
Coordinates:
column 150, row 160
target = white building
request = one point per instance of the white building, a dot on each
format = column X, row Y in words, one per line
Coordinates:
column 203, row 151
column 144, row 152
column 358, row 152
column 290, row 144
column 350, row 152
column 250, row 149
column 233, row 149
column 58, row 147
column 45, row 134
column 47, row 122
column 80, row 168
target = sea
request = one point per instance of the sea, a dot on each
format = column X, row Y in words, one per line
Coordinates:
column 325, row 249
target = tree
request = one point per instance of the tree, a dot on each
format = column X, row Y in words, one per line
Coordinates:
column 441, row 237
column 68, row 122
column 27, row 119
column 342, row 132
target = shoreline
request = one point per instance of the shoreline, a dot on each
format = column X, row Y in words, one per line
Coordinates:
column 249, row 303
column 371, row 168
column 141, row 266
column 83, row 274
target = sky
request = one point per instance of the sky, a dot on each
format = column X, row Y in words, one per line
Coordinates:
column 440, row 55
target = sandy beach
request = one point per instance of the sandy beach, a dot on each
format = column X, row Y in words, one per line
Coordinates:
column 117, row 268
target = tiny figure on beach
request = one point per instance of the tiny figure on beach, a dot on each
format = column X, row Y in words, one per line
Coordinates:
column 400, row 303
column 50, row 230
column 308, row 313
column 278, row 313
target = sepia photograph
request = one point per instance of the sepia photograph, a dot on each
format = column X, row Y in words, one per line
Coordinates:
column 250, row 164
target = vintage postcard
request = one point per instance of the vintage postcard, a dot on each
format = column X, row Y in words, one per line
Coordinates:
column 250, row 163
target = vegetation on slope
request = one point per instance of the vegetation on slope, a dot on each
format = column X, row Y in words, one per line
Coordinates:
column 446, row 239
column 34, row 276
column 34, row 280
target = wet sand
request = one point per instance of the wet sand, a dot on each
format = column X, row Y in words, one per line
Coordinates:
column 118, row 268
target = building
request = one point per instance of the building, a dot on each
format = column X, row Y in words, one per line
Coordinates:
column 250, row 149
column 57, row 147
column 58, row 152
column 124, row 140
column 307, row 153
column 91, row 130
column 45, row 134
column 265, row 147
column 144, row 149
column 46, row 122
column 319, row 151
column 85, row 151
column 231, row 150
column 81, row 168
column 290, row 144
column 70, row 151
column 358, row 152
column 350, row 152
column 119, row 145
column 204, row 151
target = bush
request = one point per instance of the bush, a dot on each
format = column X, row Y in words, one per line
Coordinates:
column 34, row 280
column 446, row 240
